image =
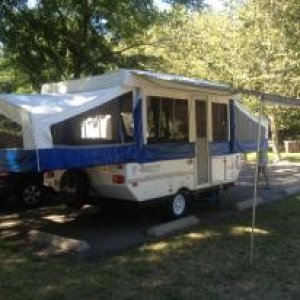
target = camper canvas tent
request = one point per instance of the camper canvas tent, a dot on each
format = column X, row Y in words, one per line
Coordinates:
column 61, row 101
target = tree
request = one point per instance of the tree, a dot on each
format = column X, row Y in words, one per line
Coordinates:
column 191, row 43
column 272, row 62
column 59, row 39
column 10, row 79
column 247, row 48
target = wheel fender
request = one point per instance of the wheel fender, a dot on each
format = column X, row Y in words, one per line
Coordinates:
column 78, row 198
column 187, row 192
column 67, row 174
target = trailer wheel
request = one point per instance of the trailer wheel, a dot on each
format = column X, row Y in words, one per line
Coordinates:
column 180, row 204
column 30, row 194
column 73, row 189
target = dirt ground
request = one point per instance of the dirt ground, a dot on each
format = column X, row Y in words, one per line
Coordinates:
column 112, row 232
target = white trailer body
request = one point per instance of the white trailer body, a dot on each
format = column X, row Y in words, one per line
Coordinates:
column 149, row 181
column 207, row 163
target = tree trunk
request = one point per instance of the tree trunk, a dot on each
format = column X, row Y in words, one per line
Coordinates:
column 274, row 132
column 76, row 67
column 79, row 52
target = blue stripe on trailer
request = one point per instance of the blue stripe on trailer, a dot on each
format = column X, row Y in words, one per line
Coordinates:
column 250, row 146
column 79, row 157
column 17, row 160
column 168, row 151
column 219, row 148
column 223, row 148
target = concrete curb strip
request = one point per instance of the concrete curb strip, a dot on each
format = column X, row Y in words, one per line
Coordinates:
column 292, row 190
column 57, row 244
column 248, row 203
column 90, row 210
column 167, row 228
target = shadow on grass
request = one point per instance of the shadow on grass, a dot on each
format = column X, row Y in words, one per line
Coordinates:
column 208, row 262
column 292, row 158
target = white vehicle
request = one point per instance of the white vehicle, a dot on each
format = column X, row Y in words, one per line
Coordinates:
column 136, row 136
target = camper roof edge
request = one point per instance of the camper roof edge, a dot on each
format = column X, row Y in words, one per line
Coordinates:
column 134, row 78
column 109, row 79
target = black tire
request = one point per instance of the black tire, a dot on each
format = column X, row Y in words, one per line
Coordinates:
column 30, row 194
column 74, row 189
column 180, row 204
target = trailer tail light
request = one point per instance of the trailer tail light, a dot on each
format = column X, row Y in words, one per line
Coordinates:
column 118, row 179
column 189, row 161
column 4, row 174
column 49, row 174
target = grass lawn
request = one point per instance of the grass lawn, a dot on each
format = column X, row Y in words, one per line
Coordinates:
column 209, row 262
column 292, row 157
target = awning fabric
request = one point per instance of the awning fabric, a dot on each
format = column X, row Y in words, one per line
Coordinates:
column 271, row 99
column 165, row 79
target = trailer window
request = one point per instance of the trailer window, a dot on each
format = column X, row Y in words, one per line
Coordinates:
column 220, row 121
column 111, row 122
column 10, row 134
column 167, row 120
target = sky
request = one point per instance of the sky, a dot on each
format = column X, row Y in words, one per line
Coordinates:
column 216, row 4
column 31, row 3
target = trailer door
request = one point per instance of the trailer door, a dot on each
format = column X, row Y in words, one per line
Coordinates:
column 201, row 142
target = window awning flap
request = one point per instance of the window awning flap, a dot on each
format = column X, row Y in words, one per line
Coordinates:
column 244, row 129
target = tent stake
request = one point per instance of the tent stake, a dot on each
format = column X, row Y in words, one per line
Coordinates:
column 256, row 182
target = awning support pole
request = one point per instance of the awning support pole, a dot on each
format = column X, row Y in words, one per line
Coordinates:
column 38, row 159
column 256, row 181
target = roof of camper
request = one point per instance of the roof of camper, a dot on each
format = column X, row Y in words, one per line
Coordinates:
column 135, row 78
column 194, row 82
column 81, row 94
column 64, row 99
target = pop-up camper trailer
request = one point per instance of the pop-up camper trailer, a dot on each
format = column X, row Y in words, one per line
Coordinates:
column 131, row 135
